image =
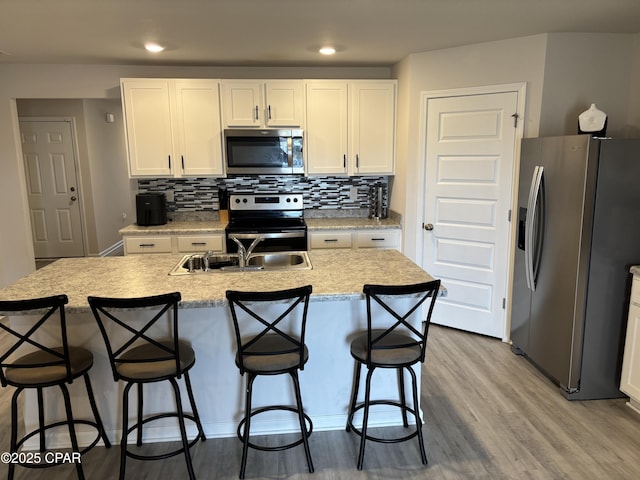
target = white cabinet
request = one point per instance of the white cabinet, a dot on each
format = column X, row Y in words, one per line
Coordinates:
column 262, row 103
column 387, row 238
column 630, row 379
column 150, row 244
column 200, row 243
column 350, row 127
column 330, row 239
column 173, row 127
column 361, row 238
column 134, row 244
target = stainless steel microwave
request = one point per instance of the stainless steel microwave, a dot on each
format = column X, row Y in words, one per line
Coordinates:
column 266, row 151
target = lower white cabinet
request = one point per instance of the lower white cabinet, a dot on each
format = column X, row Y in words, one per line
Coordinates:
column 151, row 244
column 334, row 239
column 364, row 238
column 630, row 379
column 200, row 243
column 173, row 243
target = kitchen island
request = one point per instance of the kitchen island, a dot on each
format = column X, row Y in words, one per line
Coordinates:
column 336, row 312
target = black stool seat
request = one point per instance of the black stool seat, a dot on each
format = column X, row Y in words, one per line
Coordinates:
column 399, row 346
column 37, row 361
column 271, row 349
column 139, row 356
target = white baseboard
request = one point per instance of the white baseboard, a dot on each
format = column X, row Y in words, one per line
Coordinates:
column 115, row 250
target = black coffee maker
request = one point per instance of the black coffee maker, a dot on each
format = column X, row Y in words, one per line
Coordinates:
column 151, row 209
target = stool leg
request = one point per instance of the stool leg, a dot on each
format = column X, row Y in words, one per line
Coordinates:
column 194, row 409
column 303, row 424
column 403, row 400
column 14, row 430
column 96, row 413
column 183, row 431
column 72, row 428
column 125, row 427
column 414, row 385
column 140, row 409
column 247, row 424
column 365, row 419
column 43, row 446
column 354, row 394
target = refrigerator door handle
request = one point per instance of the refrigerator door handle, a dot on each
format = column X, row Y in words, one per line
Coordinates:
column 530, row 248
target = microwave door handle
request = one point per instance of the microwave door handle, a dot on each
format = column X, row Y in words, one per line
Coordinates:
column 290, row 152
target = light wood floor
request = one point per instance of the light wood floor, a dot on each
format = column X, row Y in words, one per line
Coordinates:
column 488, row 415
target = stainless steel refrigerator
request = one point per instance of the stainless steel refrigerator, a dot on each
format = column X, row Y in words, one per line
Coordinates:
column 578, row 232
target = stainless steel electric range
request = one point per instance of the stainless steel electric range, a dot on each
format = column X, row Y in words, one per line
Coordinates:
column 275, row 222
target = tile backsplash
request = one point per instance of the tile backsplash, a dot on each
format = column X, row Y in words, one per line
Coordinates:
column 201, row 194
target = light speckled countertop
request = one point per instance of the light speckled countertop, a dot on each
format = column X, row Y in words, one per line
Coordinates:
column 336, row 275
column 195, row 227
column 351, row 223
column 192, row 227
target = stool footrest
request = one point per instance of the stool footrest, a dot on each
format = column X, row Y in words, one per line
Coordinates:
column 276, row 448
column 172, row 453
column 357, row 431
column 61, row 423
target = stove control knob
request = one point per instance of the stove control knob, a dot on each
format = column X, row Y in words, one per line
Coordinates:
column 237, row 200
column 288, row 200
column 295, row 200
column 244, row 200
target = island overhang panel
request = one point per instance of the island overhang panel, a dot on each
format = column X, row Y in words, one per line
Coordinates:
column 337, row 311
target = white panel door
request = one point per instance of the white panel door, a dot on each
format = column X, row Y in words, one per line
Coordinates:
column 470, row 151
column 52, row 188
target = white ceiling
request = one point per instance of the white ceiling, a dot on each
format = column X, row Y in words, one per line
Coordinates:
column 284, row 32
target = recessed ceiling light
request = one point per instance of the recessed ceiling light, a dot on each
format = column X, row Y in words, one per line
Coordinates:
column 153, row 47
column 327, row 50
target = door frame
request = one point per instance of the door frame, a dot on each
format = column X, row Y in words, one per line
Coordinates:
column 76, row 160
column 521, row 89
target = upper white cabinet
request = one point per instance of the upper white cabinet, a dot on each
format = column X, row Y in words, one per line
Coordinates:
column 262, row 103
column 173, row 127
column 350, row 127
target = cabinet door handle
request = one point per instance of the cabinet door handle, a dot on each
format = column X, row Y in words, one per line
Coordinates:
column 269, row 110
column 329, row 240
column 357, row 161
column 169, row 156
column 344, row 161
column 377, row 239
column 197, row 244
column 146, row 245
column 256, row 112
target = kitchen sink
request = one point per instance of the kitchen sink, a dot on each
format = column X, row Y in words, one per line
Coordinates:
column 206, row 263
column 280, row 260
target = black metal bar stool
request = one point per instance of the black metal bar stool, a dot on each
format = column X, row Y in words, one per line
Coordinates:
column 399, row 346
column 152, row 353
column 34, row 361
column 273, row 348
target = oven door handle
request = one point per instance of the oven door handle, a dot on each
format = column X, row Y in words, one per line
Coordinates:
column 245, row 236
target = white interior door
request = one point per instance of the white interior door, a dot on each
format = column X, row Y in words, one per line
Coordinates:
column 52, row 188
column 470, row 152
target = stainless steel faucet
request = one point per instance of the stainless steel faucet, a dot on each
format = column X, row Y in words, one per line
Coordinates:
column 245, row 253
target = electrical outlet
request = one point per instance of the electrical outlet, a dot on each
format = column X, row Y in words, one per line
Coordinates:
column 170, row 195
column 353, row 194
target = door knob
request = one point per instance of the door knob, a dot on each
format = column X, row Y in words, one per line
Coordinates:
column 73, row 198
column 428, row 226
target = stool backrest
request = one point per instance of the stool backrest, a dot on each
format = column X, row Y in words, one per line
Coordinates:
column 250, row 324
column 51, row 311
column 150, row 310
column 417, row 295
